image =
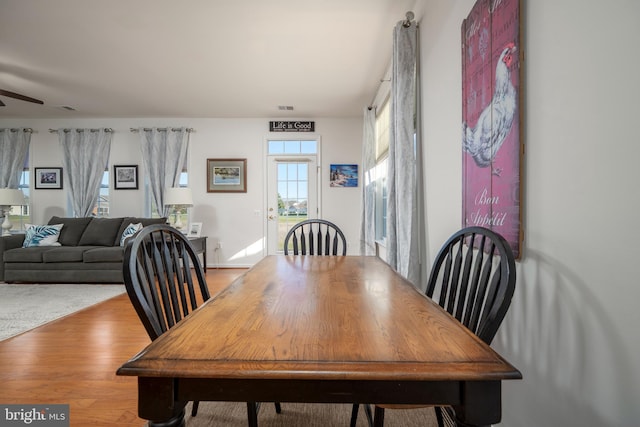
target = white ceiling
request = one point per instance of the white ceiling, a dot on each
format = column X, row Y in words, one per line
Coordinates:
column 195, row 58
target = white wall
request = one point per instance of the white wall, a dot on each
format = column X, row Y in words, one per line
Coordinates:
column 573, row 326
column 237, row 220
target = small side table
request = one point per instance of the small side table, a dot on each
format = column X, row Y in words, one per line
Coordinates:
column 200, row 246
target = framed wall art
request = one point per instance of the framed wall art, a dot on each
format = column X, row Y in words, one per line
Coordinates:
column 48, row 178
column 125, row 177
column 491, row 119
column 195, row 229
column 343, row 175
column 226, row 175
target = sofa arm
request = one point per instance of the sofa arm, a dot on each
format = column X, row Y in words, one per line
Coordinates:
column 8, row 242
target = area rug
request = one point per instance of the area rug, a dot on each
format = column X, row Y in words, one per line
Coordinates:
column 231, row 414
column 24, row 307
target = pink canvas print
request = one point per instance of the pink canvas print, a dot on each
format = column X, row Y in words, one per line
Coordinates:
column 491, row 146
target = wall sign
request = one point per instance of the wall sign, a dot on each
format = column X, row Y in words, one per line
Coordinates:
column 293, row 126
column 491, row 128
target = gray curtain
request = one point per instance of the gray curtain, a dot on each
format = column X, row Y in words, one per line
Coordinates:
column 85, row 157
column 368, row 222
column 164, row 151
column 403, row 203
column 14, row 146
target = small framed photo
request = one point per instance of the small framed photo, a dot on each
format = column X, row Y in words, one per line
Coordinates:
column 226, row 175
column 195, row 229
column 343, row 176
column 125, row 177
column 48, row 178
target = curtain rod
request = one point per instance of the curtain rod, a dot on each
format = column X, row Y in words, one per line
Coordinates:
column 17, row 129
column 375, row 94
column 406, row 23
column 81, row 130
column 161, row 129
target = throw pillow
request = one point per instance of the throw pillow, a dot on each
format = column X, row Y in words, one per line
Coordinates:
column 129, row 232
column 134, row 220
column 42, row 235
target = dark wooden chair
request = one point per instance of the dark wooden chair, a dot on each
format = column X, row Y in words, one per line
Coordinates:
column 316, row 237
column 473, row 278
column 159, row 269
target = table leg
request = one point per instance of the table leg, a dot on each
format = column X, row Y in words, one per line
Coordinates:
column 177, row 421
column 204, row 256
column 481, row 403
column 156, row 403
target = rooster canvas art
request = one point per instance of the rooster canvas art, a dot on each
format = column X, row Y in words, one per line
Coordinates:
column 484, row 140
column 491, row 145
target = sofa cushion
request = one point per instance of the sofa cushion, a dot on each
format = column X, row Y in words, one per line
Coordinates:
column 41, row 235
column 133, row 220
column 72, row 230
column 33, row 254
column 64, row 254
column 101, row 232
column 112, row 254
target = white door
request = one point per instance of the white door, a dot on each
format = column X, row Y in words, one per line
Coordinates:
column 292, row 195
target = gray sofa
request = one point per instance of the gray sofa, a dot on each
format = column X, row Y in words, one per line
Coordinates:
column 90, row 251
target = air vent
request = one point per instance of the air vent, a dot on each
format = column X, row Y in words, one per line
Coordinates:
column 285, row 107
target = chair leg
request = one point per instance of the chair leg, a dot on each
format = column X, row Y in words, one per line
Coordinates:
column 278, row 407
column 367, row 412
column 252, row 414
column 378, row 417
column 354, row 415
column 439, row 419
column 194, row 408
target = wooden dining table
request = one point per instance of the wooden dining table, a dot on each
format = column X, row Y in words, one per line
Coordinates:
column 325, row 329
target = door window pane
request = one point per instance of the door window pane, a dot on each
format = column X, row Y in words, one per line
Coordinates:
column 308, row 147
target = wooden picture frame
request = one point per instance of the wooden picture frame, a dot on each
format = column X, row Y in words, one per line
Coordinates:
column 125, row 177
column 226, row 175
column 47, row 178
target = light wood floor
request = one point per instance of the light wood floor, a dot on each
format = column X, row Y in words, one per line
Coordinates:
column 73, row 361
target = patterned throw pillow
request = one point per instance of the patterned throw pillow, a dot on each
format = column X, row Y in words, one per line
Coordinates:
column 42, row 235
column 129, row 232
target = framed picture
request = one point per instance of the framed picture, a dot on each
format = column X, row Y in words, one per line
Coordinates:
column 125, row 177
column 195, row 229
column 48, row 178
column 343, row 176
column 226, row 175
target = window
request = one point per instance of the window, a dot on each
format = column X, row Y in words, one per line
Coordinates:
column 151, row 209
column 293, row 147
column 101, row 208
column 380, row 173
column 21, row 215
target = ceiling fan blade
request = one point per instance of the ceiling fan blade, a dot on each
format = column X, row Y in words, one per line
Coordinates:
column 20, row 97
